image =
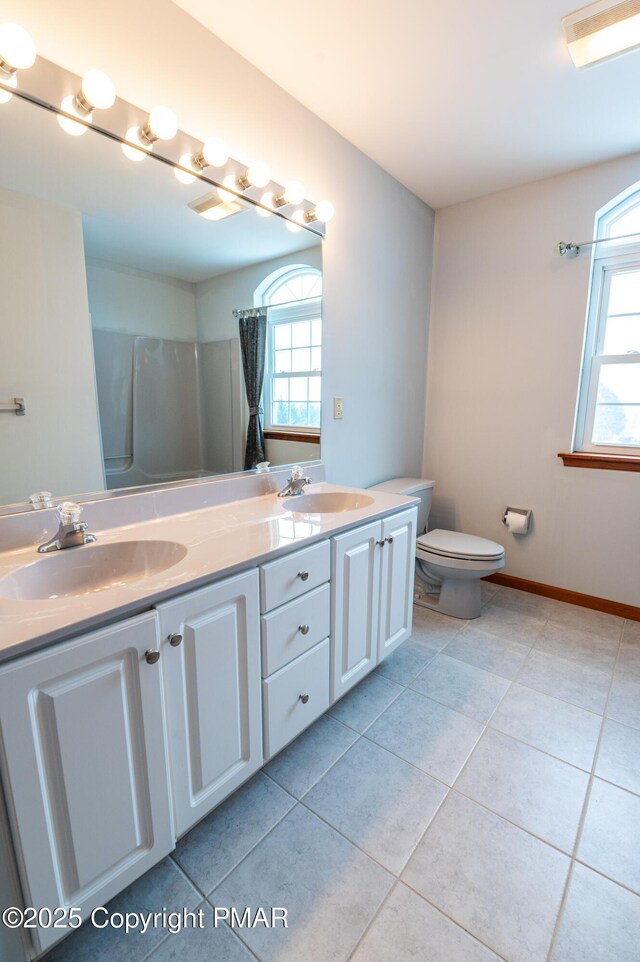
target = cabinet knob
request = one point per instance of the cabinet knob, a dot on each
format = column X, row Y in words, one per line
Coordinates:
column 389, row 540
column 304, row 629
column 303, row 575
column 381, row 543
column 152, row 656
column 304, row 699
column 175, row 640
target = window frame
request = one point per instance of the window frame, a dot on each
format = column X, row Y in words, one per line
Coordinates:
column 613, row 259
column 288, row 313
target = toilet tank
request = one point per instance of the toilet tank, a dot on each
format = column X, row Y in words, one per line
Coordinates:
column 414, row 488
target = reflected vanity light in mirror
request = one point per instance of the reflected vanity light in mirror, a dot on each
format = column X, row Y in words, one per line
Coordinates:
column 17, row 52
column 161, row 125
column 297, row 221
column 267, row 207
column 96, row 93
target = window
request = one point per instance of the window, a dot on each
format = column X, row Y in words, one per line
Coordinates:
column 293, row 370
column 608, row 420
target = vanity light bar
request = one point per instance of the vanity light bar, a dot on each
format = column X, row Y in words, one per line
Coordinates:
column 97, row 92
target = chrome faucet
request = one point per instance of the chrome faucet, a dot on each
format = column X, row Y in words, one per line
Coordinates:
column 71, row 531
column 295, row 484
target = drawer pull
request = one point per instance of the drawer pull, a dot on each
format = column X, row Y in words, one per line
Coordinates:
column 175, row 640
column 304, row 699
column 304, row 629
column 152, row 656
column 389, row 540
column 303, row 575
column 381, row 543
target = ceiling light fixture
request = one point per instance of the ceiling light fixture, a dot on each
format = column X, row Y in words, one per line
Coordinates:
column 161, row 125
column 602, row 30
column 17, row 52
column 213, row 207
column 96, row 93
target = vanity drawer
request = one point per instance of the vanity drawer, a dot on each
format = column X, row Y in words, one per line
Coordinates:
column 285, row 713
column 294, row 628
column 290, row 577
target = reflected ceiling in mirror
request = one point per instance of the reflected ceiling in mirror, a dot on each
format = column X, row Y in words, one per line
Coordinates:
column 118, row 325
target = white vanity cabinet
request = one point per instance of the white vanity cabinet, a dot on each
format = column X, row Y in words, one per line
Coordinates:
column 296, row 598
column 84, row 767
column 397, row 575
column 372, row 574
column 212, row 679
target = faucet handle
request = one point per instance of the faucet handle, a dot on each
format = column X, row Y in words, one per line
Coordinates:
column 296, row 472
column 69, row 512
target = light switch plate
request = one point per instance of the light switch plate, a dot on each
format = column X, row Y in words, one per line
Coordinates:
column 338, row 403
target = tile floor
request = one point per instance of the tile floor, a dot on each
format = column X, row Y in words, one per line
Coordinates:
column 476, row 798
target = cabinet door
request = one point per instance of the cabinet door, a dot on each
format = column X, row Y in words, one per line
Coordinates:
column 213, row 693
column 356, row 558
column 85, row 767
column 396, row 582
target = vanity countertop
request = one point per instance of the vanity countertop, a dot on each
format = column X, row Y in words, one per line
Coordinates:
column 220, row 541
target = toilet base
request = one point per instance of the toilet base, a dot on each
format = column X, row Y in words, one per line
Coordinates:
column 457, row 598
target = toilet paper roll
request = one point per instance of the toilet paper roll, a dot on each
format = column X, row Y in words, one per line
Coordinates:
column 517, row 521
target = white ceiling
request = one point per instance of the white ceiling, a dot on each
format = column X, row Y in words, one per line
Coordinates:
column 455, row 99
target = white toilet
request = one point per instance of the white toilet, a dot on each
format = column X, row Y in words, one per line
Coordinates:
column 449, row 564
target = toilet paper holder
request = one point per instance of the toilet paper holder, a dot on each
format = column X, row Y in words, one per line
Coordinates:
column 521, row 518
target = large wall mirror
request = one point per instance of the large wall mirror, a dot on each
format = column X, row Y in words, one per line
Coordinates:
column 120, row 326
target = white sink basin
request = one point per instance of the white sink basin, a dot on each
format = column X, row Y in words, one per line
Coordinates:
column 328, row 502
column 86, row 569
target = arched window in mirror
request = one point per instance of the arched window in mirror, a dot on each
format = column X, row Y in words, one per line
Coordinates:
column 608, row 417
column 293, row 369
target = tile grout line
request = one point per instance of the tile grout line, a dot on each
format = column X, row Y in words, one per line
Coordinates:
column 371, row 921
column 583, row 814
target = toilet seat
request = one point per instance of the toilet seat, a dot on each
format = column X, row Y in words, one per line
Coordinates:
column 456, row 545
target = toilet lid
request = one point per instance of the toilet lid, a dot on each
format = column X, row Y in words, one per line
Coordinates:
column 455, row 544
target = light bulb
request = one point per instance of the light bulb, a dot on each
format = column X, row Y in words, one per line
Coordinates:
column 229, row 181
column 9, row 80
column 98, row 91
column 258, row 174
column 182, row 175
column 293, row 192
column 139, row 151
column 215, row 152
column 70, row 126
column 324, row 211
column 162, row 123
column 296, row 222
column 267, row 201
column 17, row 49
